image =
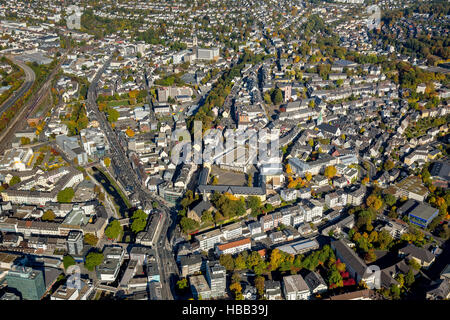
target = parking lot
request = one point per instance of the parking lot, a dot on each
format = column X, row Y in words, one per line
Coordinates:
column 229, row 177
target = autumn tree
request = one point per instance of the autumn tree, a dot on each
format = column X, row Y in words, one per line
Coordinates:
column 275, row 259
column 288, row 169
column 259, row 285
column 48, row 215
column 330, row 172
column 107, row 161
column 374, row 202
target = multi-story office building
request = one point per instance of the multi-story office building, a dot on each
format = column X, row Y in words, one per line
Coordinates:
column 29, row 282
column 75, row 242
column 216, row 277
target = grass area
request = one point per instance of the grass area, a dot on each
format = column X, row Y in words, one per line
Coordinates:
column 116, row 103
column 119, row 190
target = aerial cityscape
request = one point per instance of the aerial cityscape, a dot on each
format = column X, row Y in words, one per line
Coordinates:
column 224, row 150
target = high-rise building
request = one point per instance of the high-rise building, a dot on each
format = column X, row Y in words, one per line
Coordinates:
column 216, row 277
column 75, row 242
column 29, row 282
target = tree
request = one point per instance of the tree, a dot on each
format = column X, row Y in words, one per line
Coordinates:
column 68, row 261
column 288, row 169
column 207, row 217
column 92, row 260
column 267, row 98
column 335, row 279
column 236, row 288
column 409, row 278
column 239, row 262
column 370, row 256
column 277, row 96
column 388, row 165
column 395, row 291
column 275, row 259
column 259, row 285
column 48, row 215
column 253, row 203
column 65, row 195
column 374, row 202
column 14, row 180
column 227, row 261
column 389, row 199
column 330, row 172
column 90, row 239
column 130, row 133
column 253, row 260
column 25, row 140
column 113, row 115
column 188, row 224
column 139, row 219
column 107, row 161
column 182, row 284
column 308, row 176
column 113, row 229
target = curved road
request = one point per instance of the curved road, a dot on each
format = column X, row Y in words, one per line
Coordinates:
column 29, row 80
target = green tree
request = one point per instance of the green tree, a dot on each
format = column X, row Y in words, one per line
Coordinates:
column 48, row 215
column 277, row 96
column 395, row 292
column 92, row 260
column 182, row 284
column 139, row 219
column 253, row 260
column 239, row 262
column 113, row 229
column 227, row 261
column 14, row 180
column 389, row 199
column 207, row 217
column 409, row 278
column 188, row 224
column 65, row 195
column 267, row 98
column 253, row 203
column 68, row 261
column 113, row 115
column 90, row 239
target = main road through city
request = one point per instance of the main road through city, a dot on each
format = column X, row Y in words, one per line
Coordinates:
column 128, row 178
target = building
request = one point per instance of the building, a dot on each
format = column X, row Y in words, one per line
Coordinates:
column 234, row 247
column 75, row 243
column 272, row 290
column 209, row 239
column 207, row 54
column 422, row 256
column 354, row 264
column 315, row 283
column 216, row 277
column 295, row 288
column 72, row 149
column 199, row 287
column 66, row 293
column 419, row 213
column 109, row 269
column 190, row 264
column 17, row 159
column 29, row 282
column 395, row 229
